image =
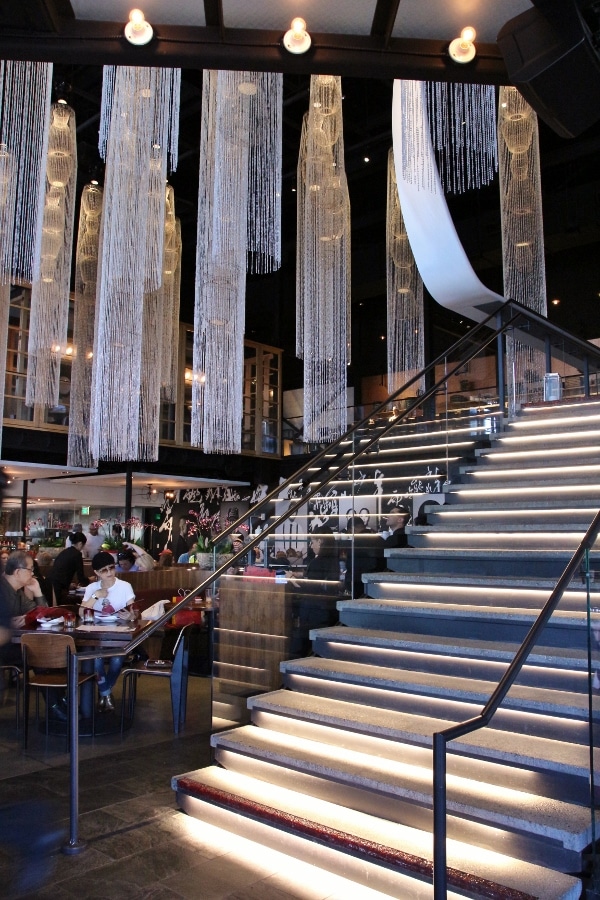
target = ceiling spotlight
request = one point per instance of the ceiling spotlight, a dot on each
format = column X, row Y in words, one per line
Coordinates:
column 137, row 30
column 297, row 39
column 462, row 49
column 169, row 495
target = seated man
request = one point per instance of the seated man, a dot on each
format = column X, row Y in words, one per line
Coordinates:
column 22, row 593
column 397, row 520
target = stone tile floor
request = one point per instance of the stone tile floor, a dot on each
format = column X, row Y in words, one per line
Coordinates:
column 139, row 845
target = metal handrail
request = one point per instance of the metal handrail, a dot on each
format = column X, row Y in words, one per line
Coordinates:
column 441, row 738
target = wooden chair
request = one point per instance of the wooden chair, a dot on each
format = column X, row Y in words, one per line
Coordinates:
column 49, row 652
column 17, row 673
column 176, row 669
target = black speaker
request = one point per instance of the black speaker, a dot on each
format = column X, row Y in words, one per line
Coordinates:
column 552, row 57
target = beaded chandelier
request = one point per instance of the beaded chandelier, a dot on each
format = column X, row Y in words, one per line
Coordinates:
column 522, row 235
column 405, row 333
column 52, row 269
column 138, row 133
column 84, row 326
column 323, row 263
column 238, row 227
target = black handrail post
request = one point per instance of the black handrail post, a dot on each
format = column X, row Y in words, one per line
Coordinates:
column 500, row 369
column 586, row 377
column 439, row 817
column 74, row 844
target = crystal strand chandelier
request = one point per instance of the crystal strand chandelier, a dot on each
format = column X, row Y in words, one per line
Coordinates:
column 138, row 132
column 405, row 334
column 241, row 119
column 84, row 326
column 323, row 263
column 170, row 300
column 522, row 235
column 52, row 270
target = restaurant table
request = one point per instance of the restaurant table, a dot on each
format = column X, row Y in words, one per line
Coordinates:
column 97, row 636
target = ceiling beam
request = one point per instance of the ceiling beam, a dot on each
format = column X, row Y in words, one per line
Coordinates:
column 103, row 43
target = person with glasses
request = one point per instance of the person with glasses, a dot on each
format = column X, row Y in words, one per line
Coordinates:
column 21, row 587
column 106, row 596
column 22, row 593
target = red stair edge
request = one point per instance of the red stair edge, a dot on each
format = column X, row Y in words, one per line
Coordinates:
column 370, row 851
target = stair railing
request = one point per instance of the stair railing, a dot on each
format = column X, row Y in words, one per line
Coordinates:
column 442, row 738
column 335, row 458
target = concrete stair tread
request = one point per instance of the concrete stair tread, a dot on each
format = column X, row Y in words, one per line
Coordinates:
column 505, row 581
column 564, row 822
column 568, row 487
column 506, row 553
column 521, row 697
column 569, row 447
column 531, row 463
column 582, row 505
column 443, row 609
column 494, row 867
column 531, row 528
column 531, row 751
column 503, row 651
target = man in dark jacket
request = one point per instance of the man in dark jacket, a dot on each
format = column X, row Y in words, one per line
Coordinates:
column 68, row 567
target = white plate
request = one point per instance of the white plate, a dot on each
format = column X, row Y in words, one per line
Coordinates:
column 51, row 623
column 100, row 618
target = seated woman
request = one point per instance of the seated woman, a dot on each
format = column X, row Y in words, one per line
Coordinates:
column 107, row 595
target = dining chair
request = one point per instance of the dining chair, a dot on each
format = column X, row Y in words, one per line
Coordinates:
column 15, row 673
column 176, row 669
column 49, row 655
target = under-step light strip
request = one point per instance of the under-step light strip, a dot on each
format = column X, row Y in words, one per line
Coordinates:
column 544, row 438
column 493, row 473
column 553, row 422
column 549, row 491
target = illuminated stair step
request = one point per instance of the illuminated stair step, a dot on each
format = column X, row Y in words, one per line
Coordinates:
column 482, row 793
column 336, row 673
column 565, row 764
column 343, row 840
column 506, row 593
column 471, row 660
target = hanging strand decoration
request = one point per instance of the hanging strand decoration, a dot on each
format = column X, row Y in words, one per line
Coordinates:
column 323, row 262
column 405, row 315
column 8, row 189
column 24, row 103
column 153, row 320
column 138, row 132
column 24, row 125
column 229, row 225
column 264, row 173
column 170, row 299
column 522, row 235
column 462, row 121
column 84, row 325
column 52, row 268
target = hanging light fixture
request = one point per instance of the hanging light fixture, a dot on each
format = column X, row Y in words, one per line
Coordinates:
column 52, row 272
column 84, row 326
column 522, row 235
column 405, row 310
column 323, row 263
column 241, row 119
column 138, row 135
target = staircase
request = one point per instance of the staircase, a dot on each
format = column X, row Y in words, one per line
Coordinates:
column 336, row 767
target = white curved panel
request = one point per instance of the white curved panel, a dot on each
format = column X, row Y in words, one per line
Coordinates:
column 440, row 256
